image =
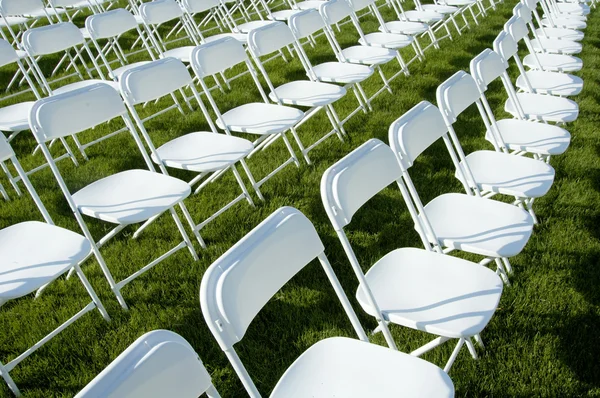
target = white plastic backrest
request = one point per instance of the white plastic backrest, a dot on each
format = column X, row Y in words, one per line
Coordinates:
column 415, row 131
column 20, row 7
column 487, row 67
column 522, row 11
column 196, row 6
column 154, row 80
column 110, row 24
column 269, row 38
column 6, row 151
column 160, row 11
column 358, row 5
column 531, row 4
column 305, row 23
column 357, row 177
column 456, row 94
column 78, row 110
column 51, row 39
column 505, row 46
column 333, row 11
column 8, row 55
column 240, row 282
column 217, row 56
column 157, row 364
column 65, row 3
column 516, row 27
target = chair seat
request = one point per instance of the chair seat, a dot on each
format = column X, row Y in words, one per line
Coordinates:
column 423, row 16
column 33, row 254
column 459, row 3
column 553, row 83
column 307, row 93
column 181, row 53
column 545, row 107
column 130, row 196
column 406, row 27
column 442, row 9
column 203, row 151
column 510, row 175
column 556, row 46
column 343, row 367
column 342, row 72
column 575, row 9
column 564, row 23
column 248, row 26
column 14, row 118
column 309, row 4
column 117, row 73
column 533, row 137
column 85, row 33
column 241, row 37
column 368, row 55
column 554, row 62
column 477, row 225
column 282, row 15
column 85, row 83
column 260, row 118
column 560, row 33
column 432, row 292
column 386, row 40
column 13, row 21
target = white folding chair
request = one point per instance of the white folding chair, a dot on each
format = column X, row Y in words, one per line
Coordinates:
column 420, row 289
column 314, row 95
column 215, row 10
column 527, row 12
column 122, row 199
column 158, row 364
column 207, row 154
column 483, row 172
column 553, row 19
column 32, row 255
column 263, row 119
column 238, row 284
column 518, row 135
column 547, row 108
column 455, row 221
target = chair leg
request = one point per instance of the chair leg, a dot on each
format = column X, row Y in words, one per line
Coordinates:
column 9, row 381
column 454, row 355
column 252, row 180
column 240, row 182
column 91, row 292
column 183, row 233
column 471, row 348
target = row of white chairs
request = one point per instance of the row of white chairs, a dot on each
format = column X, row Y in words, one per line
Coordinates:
column 502, row 230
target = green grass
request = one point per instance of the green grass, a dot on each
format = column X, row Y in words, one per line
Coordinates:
column 543, row 340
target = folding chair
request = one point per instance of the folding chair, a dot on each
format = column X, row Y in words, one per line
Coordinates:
column 311, row 94
column 123, row 199
column 33, row 254
column 518, row 135
column 455, row 221
column 420, row 289
column 159, row 363
column 215, row 10
column 527, row 12
column 553, row 19
column 238, row 284
column 540, row 81
column 546, row 108
column 487, row 173
column 209, row 154
column 263, row 119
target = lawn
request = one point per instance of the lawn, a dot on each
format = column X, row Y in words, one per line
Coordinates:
column 543, row 340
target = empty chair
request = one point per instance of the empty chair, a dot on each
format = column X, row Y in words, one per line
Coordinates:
column 489, row 172
column 526, row 10
column 518, row 135
column 158, row 364
column 542, row 44
column 32, row 255
column 415, row 288
column 122, row 199
column 239, row 283
column 455, row 221
column 533, row 106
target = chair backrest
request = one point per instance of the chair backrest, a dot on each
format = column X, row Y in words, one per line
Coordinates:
column 505, row 46
column 522, row 11
column 415, row 131
column 51, row 39
column 269, row 38
column 217, row 56
column 154, row 80
column 357, row 177
column 8, row 55
column 517, row 28
column 358, row 5
column 305, row 23
column 75, row 111
column 456, row 94
column 20, row 7
column 196, row 6
column 530, row 4
column 157, row 364
column 333, row 11
column 160, row 11
column 240, row 282
column 110, row 24
column 487, row 67
column 68, row 3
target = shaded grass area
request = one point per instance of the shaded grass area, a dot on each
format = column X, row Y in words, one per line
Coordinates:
column 542, row 341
